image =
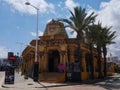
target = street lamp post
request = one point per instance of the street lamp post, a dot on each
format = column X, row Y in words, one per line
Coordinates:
column 36, row 63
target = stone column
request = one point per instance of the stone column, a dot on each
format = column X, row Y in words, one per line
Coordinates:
column 66, row 57
column 41, row 61
column 83, row 62
column 63, row 53
column 71, row 55
column 46, row 60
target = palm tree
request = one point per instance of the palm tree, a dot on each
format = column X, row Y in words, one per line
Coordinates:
column 79, row 21
column 100, row 36
column 107, row 38
column 94, row 35
column 91, row 34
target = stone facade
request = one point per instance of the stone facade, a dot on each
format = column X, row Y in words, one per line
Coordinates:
column 55, row 48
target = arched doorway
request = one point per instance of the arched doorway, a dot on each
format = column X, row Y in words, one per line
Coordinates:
column 53, row 60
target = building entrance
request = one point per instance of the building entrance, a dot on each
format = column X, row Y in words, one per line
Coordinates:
column 53, row 60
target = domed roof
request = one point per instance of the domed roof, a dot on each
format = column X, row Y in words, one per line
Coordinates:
column 55, row 27
column 52, row 21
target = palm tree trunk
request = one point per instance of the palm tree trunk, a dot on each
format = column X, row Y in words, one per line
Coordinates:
column 99, row 61
column 92, row 61
column 79, row 54
column 105, row 62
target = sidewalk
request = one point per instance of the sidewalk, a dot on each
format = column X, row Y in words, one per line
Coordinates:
column 20, row 82
column 28, row 84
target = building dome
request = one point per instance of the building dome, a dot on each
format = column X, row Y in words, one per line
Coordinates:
column 55, row 27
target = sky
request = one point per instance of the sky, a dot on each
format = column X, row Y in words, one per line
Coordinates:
column 18, row 21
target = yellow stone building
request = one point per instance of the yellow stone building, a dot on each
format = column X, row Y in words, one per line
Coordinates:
column 55, row 48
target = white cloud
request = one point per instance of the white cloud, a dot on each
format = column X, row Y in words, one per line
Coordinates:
column 70, row 4
column 3, row 52
column 40, row 33
column 71, row 35
column 60, row 4
column 109, row 15
column 20, row 6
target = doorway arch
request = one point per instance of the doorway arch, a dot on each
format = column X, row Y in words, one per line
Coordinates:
column 53, row 60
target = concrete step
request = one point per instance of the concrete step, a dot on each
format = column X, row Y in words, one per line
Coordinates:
column 50, row 77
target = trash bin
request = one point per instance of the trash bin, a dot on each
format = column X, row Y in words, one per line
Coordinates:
column 9, row 75
column 36, row 72
column 76, row 72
